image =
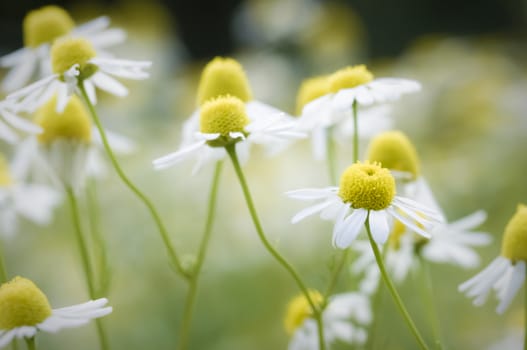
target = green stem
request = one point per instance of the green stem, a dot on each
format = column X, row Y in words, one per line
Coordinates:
column 355, row 132
column 146, row 201
column 193, row 283
column 428, row 291
column 88, row 272
column 331, row 156
column 317, row 312
column 335, row 274
column 3, row 271
column 393, row 291
column 378, row 300
column 31, row 344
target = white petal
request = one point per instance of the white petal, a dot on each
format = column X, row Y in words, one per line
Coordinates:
column 420, row 208
column 311, row 193
column 310, row 211
column 7, row 134
column 350, row 228
column 515, row 283
column 108, row 38
column 109, row 84
column 20, row 74
column 13, row 58
column 469, row 222
column 173, row 158
column 379, row 226
column 90, row 91
column 6, row 337
column 93, row 26
column 408, row 222
column 21, row 123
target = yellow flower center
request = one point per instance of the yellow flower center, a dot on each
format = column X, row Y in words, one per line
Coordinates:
column 22, row 304
column 5, row 176
column 67, row 52
column 394, row 151
column 298, row 310
column 349, row 77
column 367, row 186
column 73, row 123
column 45, row 25
column 309, row 90
column 223, row 76
column 514, row 244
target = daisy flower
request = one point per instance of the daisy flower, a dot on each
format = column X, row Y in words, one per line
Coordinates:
column 25, row 310
column 345, row 319
column 506, row 273
column 9, row 120
column 224, row 121
column 76, row 65
column 366, row 194
column 33, row 202
column 226, row 76
column 41, row 28
column 66, row 140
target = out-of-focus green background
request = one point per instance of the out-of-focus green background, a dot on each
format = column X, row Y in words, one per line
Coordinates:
column 469, row 124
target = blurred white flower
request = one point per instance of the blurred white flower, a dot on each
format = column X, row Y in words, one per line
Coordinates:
column 9, row 120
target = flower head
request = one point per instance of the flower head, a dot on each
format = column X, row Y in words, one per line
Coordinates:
column 223, row 116
column 368, row 192
column 349, row 77
column 43, row 25
column 311, row 89
column 25, row 309
column 298, row 310
column 506, row 273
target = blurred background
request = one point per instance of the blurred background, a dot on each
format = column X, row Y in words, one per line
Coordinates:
column 469, row 124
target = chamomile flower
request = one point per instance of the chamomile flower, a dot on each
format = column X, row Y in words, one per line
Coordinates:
column 10, row 120
column 224, row 121
column 41, row 28
column 18, row 198
column 226, row 76
column 75, row 63
column 65, row 140
column 25, row 310
column 345, row 318
column 323, row 122
column 366, row 194
column 506, row 273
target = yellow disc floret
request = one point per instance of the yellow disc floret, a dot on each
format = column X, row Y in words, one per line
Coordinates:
column 46, row 24
column 223, row 115
column 394, row 151
column 367, row 186
column 22, row 304
column 349, row 77
column 223, row 76
column 74, row 123
column 514, row 244
column 5, row 176
column 311, row 89
column 298, row 310
column 67, row 52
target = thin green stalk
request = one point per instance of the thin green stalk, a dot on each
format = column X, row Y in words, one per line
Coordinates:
column 317, row 312
column 146, row 201
column 85, row 258
column 331, row 157
column 200, row 259
column 355, row 131
column 393, row 291
column 3, row 271
column 31, row 344
column 335, row 274
column 427, row 292
column 378, row 299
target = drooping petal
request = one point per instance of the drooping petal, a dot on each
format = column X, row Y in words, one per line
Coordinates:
column 379, row 226
column 346, row 233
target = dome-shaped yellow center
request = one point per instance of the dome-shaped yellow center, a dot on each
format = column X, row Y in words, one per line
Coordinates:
column 299, row 309
column 514, row 244
column 349, row 77
column 67, row 52
column 5, row 176
column 73, row 123
column 311, row 89
column 367, row 186
column 394, row 151
column 223, row 76
column 223, row 115
column 22, row 304
column 46, row 24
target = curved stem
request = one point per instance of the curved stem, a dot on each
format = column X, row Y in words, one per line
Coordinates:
column 31, row 344
column 88, row 272
column 193, row 286
column 397, row 299
column 317, row 312
column 427, row 292
column 355, row 131
column 146, row 201
column 331, row 157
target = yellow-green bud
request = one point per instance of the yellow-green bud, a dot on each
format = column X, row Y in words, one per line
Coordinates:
column 311, row 89
column 46, row 24
column 67, row 52
column 298, row 310
column 514, row 244
column 349, row 77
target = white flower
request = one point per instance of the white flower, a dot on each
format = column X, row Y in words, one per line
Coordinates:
column 25, row 310
column 253, row 128
column 75, row 61
column 345, row 319
column 506, row 273
column 10, row 120
column 368, row 192
column 35, row 56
